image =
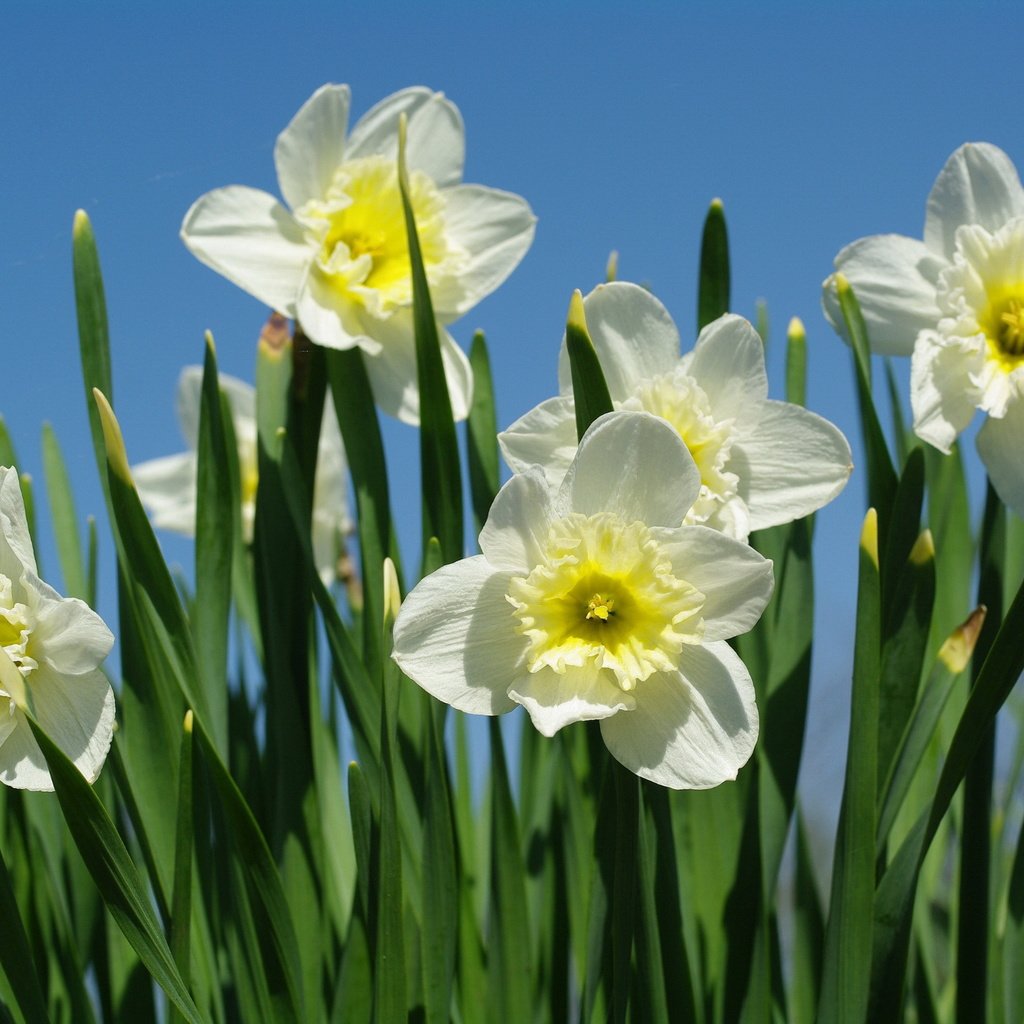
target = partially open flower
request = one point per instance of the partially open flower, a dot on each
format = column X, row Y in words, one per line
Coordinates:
column 955, row 303
column 167, row 485
column 53, row 648
column 591, row 601
column 761, row 462
column 338, row 260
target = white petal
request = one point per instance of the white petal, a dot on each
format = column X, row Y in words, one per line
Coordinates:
column 942, row 396
column 393, row 374
column 633, row 334
column 167, row 487
column 19, row 554
column 330, row 318
column 545, row 437
column 978, row 185
column 495, row 228
column 77, row 713
column 999, row 445
column 310, row 149
column 435, row 142
column 894, row 280
column 790, row 462
column 735, row 579
column 250, row 238
column 70, row 637
column 555, row 699
column 635, row 465
column 728, row 364
column 691, row 731
column 455, row 636
column 517, row 526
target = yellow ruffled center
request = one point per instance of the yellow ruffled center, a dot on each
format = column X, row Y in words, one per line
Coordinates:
column 16, row 624
column 604, row 595
column 679, row 399
column 1003, row 324
column 364, row 248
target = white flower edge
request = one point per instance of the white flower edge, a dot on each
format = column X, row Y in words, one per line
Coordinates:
column 456, row 636
column 67, row 692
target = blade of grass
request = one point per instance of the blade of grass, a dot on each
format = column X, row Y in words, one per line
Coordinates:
column 589, row 389
column 482, row 428
column 63, row 516
column 16, row 962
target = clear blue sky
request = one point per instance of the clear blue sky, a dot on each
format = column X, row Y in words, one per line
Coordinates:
column 619, row 123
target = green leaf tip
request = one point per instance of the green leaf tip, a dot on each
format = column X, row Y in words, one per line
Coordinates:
column 187, row 724
column 577, row 318
column 716, row 206
column 869, row 536
column 923, row 550
column 81, row 225
column 611, row 270
column 959, row 646
column 117, row 457
column 392, row 593
column 841, row 283
column 796, row 332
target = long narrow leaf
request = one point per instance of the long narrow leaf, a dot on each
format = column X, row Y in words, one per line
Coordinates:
column 713, row 289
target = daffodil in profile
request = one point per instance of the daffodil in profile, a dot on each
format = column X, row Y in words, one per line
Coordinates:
column 167, row 485
column 336, row 258
column 954, row 302
column 53, row 647
column 761, row 462
column 591, row 602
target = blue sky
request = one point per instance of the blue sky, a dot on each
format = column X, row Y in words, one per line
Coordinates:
column 618, row 124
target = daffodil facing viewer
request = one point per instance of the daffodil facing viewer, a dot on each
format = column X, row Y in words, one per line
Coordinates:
column 761, row 462
column 591, row 601
column 954, row 302
column 337, row 261
column 53, row 647
column 167, row 485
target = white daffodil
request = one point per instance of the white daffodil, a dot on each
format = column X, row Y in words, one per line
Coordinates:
column 338, row 260
column 53, row 648
column 955, row 302
column 167, row 486
column 590, row 601
column 761, row 462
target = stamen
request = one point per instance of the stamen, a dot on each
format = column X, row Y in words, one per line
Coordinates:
column 600, row 607
column 1011, row 328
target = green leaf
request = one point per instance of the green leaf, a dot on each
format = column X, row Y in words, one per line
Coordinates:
column 509, row 959
column 847, row 957
column 589, row 389
column 16, row 963
column 65, row 520
column 1013, row 937
column 881, row 475
column 93, row 335
column 808, row 934
column 796, row 362
column 713, row 289
column 123, row 890
column 181, row 905
column 482, row 427
column 439, row 448
column 894, row 899
column 216, row 511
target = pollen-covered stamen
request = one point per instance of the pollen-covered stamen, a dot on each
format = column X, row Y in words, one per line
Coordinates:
column 600, row 607
column 604, row 595
column 1010, row 333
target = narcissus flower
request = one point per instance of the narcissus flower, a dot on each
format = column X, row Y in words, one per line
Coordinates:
column 955, row 303
column 761, row 462
column 53, row 648
column 590, row 601
column 338, row 260
column 167, row 486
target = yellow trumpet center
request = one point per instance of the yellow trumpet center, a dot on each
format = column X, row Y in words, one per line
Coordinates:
column 604, row 595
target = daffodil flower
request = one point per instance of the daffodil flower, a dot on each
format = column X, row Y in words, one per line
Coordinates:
column 591, row 601
column 761, row 462
column 955, row 303
column 53, row 648
column 338, row 260
column 167, row 485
